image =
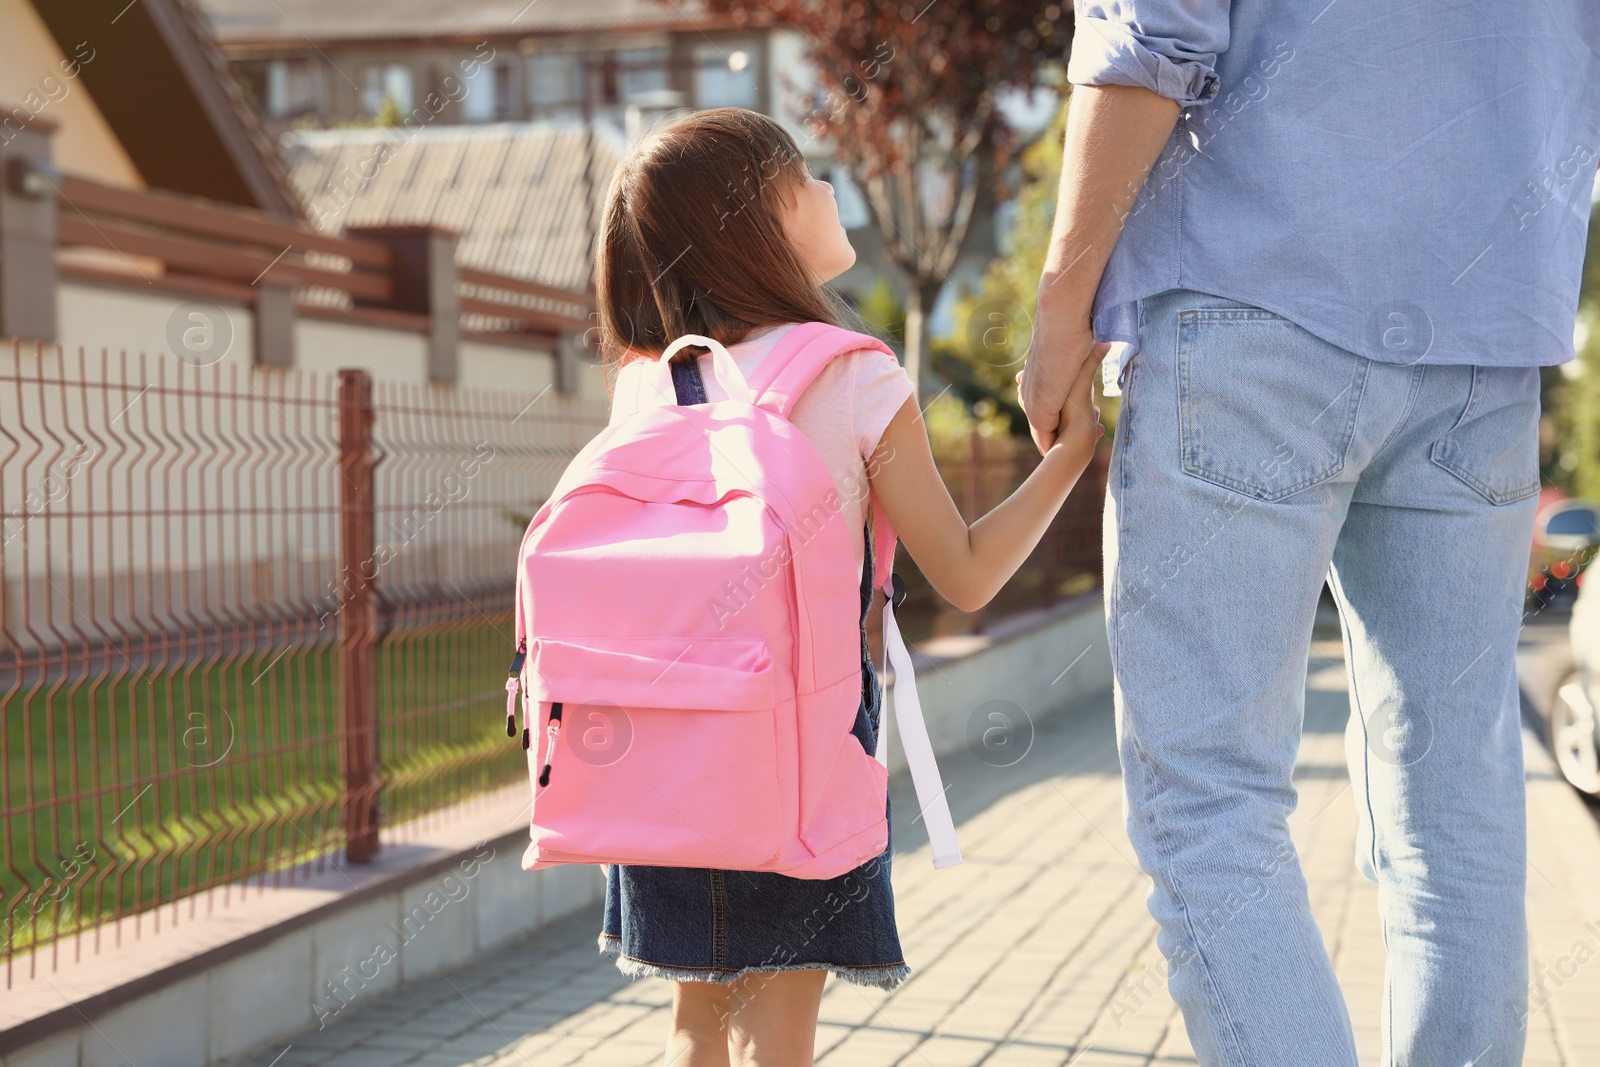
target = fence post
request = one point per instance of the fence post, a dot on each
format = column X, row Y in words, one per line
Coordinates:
column 569, row 362
column 358, row 619
column 28, row 218
column 426, row 282
column 274, row 325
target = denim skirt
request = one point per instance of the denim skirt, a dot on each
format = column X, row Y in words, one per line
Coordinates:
column 691, row 924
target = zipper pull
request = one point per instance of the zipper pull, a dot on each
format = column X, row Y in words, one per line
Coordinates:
column 552, row 732
column 513, row 684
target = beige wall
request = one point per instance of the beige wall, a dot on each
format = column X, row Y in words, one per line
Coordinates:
column 118, row 318
column 130, row 451
column 388, row 355
column 502, row 368
column 37, row 78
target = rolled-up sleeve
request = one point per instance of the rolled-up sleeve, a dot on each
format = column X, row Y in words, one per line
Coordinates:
column 1167, row 46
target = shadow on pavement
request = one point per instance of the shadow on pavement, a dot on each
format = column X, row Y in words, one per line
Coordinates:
column 1007, row 754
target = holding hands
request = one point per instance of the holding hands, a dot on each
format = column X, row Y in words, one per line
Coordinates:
column 1056, row 383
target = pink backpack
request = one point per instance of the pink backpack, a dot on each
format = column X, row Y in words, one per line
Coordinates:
column 687, row 624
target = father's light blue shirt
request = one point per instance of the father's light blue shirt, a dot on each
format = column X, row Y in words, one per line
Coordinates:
column 1408, row 179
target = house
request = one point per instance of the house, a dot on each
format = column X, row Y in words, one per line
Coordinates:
column 524, row 197
column 453, row 79
column 315, row 70
column 312, row 63
column 116, row 86
column 146, row 208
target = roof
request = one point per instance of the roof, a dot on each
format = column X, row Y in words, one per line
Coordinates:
column 241, row 22
column 515, row 192
column 163, row 86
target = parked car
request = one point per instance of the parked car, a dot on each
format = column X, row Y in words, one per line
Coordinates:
column 1573, row 725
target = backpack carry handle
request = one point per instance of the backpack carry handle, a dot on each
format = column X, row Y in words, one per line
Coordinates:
column 728, row 374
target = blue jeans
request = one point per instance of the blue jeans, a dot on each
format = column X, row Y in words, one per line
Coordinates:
column 1253, row 462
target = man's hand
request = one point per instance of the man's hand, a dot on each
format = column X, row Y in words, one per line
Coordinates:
column 1059, row 372
column 1078, row 428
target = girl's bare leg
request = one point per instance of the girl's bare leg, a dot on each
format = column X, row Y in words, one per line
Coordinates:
column 774, row 1019
column 699, row 1036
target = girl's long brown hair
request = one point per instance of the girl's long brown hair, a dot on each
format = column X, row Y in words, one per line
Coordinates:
column 692, row 238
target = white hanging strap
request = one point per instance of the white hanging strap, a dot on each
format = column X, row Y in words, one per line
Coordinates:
column 914, row 741
column 728, row 374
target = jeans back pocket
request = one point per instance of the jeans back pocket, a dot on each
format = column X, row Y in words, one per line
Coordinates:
column 1494, row 446
column 1265, row 408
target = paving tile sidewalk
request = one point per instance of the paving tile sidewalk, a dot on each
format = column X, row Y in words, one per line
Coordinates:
column 1038, row 950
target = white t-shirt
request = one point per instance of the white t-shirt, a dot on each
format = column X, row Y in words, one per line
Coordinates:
column 843, row 412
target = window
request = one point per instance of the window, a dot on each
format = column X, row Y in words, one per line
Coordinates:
column 488, row 95
column 477, row 102
column 641, row 71
column 391, row 82
column 558, row 80
column 502, row 91
column 278, row 87
column 726, row 74
column 853, row 210
column 555, row 79
column 292, row 87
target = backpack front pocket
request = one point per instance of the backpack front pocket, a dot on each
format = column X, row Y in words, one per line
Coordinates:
column 713, row 674
column 630, row 779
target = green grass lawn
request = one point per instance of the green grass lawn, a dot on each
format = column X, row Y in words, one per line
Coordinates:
column 126, row 788
column 143, row 787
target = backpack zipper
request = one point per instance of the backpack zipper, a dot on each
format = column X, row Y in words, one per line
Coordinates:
column 552, row 732
column 513, row 684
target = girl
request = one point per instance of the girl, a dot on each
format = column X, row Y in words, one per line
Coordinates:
column 714, row 226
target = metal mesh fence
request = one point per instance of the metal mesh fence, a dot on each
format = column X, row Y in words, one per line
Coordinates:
column 249, row 616
column 186, row 704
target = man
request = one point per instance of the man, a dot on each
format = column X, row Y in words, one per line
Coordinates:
column 1338, row 240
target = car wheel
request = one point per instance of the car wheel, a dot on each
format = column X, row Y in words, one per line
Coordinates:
column 1572, row 735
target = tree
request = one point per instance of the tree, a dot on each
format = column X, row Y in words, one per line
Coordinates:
column 907, row 94
column 995, row 324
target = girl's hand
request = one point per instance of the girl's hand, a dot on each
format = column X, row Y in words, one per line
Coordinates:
column 1078, row 427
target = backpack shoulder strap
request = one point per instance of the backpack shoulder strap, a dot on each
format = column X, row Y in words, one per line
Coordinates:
column 783, row 375
column 799, row 357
